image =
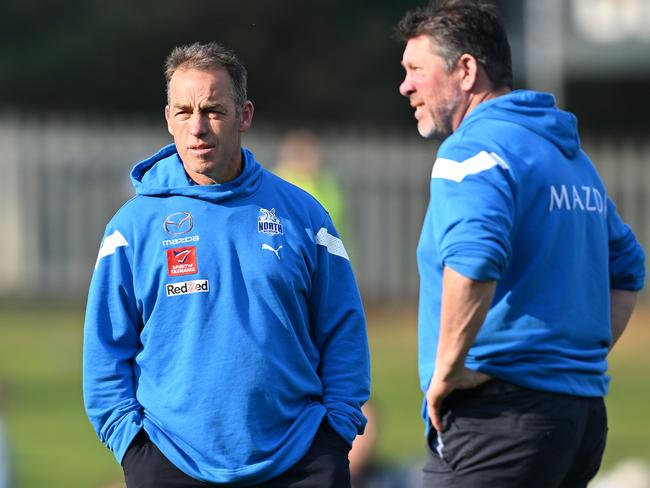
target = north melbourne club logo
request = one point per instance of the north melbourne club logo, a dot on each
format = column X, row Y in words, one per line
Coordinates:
column 269, row 223
column 181, row 261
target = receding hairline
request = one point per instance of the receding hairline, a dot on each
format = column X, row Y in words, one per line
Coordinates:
column 210, row 57
column 193, row 65
column 186, row 67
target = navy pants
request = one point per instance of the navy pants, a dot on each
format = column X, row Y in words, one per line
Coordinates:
column 325, row 465
column 505, row 436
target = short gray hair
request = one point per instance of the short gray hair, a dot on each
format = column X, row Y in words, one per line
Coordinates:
column 207, row 57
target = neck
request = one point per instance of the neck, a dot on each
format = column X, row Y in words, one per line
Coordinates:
column 477, row 97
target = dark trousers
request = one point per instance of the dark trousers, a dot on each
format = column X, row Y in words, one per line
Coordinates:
column 325, row 465
column 505, row 436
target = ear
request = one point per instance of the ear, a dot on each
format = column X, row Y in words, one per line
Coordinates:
column 468, row 70
column 168, row 118
column 246, row 118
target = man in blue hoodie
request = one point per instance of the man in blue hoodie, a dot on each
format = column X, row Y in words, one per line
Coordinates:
column 528, row 274
column 224, row 339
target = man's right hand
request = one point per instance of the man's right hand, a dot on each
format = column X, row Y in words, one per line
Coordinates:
column 441, row 387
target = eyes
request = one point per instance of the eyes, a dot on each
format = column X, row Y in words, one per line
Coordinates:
column 184, row 113
column 414, row 69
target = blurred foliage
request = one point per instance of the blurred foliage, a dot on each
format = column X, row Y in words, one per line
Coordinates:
column 317, row 60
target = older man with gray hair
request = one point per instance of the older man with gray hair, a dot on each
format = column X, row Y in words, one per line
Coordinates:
column 528, row 274
column 225, row 340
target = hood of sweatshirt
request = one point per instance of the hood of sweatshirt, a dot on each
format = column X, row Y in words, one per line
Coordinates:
column 537, row 112
column 163, row 174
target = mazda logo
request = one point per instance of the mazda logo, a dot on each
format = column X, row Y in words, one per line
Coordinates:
column 178, row 223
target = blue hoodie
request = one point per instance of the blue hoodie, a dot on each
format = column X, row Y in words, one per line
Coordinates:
column 514, row 199
column 224, row 320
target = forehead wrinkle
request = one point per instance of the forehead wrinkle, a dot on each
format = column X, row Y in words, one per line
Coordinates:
column 200, row 101
column 200, row 93
column 200, row 97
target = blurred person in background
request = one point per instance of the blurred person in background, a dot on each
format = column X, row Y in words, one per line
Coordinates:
column 366, row 471
column 528, row 275
column 363, row 449
column 6, row 471
column 300, row 161
column 224, row 339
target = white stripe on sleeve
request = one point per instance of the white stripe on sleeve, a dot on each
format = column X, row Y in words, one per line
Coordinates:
column 110, row 244
column 449, row 169
column 333, row 244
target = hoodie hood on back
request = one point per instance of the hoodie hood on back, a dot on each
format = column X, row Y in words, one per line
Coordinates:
column 514, row 200
column 537, row 112
column 163, row 174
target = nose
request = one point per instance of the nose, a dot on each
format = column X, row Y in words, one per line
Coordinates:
column 197, row 124
column 406, row 87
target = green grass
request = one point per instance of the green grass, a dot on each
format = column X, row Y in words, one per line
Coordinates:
column 628, row 404
column 40, row 362
column 55, row 446
column 395, row 386
column 393, row 340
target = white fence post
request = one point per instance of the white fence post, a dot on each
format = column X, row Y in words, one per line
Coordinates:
column 62, row 179
column 12, row 224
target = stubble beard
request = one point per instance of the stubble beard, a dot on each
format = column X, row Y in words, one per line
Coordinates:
column 223, row 165
column 441, row 125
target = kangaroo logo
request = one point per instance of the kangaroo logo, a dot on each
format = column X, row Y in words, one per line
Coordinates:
column 266, row 247
column 268, row 222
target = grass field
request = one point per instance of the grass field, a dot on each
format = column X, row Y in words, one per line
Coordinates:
column 55, row 447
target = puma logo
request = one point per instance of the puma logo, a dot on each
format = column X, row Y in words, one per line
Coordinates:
column 269, row 248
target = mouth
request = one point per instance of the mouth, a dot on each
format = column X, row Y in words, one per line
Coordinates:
column 418, row 109
column 201, row 148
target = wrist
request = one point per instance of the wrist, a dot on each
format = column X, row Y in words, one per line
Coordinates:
column 448, row 367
